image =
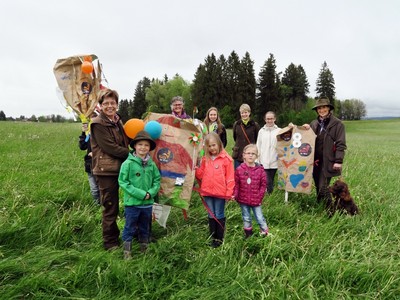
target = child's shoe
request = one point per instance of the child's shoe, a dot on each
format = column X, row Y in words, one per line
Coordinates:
column 248, row 232
column 264, row 233
column 127, row 250
column 143, row 247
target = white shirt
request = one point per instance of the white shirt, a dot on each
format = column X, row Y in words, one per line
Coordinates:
column 266, row 146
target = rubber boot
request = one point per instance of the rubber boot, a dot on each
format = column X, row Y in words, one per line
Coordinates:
column 127, row 250
column 248, row 232
column 220, row 232
column 143, row 247
column 213, row 230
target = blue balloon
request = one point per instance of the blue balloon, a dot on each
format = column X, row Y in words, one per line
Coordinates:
column 153, row 128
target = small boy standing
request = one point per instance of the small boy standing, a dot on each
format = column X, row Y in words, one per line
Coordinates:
column 139, row 178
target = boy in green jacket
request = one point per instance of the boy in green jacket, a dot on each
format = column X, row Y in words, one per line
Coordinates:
column 139, row 178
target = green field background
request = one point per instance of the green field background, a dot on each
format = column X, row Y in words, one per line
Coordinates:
column 51, row 247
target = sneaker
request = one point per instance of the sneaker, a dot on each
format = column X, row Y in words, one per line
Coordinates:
column 264, row 233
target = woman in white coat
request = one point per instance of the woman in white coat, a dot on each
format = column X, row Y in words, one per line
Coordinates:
column 266, row 145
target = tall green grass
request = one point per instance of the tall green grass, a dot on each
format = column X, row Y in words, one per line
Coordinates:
column 50, row 235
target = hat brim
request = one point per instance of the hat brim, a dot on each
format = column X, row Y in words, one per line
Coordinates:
column 152, row 143
column 330, row 105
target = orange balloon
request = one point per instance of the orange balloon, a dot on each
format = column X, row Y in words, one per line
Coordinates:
column 87, row 58
column 87, row 67
column 132, row 127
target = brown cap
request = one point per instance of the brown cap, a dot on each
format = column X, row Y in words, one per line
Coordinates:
column 143, row 135
column 323, row 102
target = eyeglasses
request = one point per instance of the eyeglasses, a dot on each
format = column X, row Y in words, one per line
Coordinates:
column 109, row 103
column 177, row 105
column 250, row 153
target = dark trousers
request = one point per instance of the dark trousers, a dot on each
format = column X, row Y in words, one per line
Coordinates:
column 321, row 185
column 137, row 219
column 109, row 198
column 270, row 179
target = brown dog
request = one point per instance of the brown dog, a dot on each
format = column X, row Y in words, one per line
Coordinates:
column 343, row 200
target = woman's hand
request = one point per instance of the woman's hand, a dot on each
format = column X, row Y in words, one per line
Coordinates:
column 337, row 166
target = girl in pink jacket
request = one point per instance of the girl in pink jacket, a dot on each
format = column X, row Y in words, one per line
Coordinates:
column 250, row 184
column 216, row 178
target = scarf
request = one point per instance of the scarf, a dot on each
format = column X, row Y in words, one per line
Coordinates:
column 323, row 123
column 144, row 160
column 213, row 127
column 184, row 115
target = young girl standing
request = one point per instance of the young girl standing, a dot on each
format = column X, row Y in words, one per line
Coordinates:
column 213, row 123
column 216, row 178
column 250, row 184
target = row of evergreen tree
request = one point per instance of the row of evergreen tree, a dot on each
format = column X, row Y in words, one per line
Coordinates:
column 226, row 83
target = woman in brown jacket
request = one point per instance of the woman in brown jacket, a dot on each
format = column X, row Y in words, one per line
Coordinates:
column 110, row 149
column 330, row 145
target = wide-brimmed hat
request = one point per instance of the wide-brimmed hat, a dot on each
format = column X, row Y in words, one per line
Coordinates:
column 143, row 135
column 323, row 102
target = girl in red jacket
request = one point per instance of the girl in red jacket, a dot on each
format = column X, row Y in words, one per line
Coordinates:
column 216, row 178
column 250, row 184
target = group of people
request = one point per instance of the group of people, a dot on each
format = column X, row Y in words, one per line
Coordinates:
column 244, row 177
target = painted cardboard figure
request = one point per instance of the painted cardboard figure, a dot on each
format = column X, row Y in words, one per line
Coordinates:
column 295, row 148
column 176, row 151
column 80, row 90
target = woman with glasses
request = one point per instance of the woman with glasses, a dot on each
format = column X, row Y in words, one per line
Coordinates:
column 110, row 149
column 178, row 108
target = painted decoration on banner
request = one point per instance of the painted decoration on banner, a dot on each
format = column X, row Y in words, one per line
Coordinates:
column 295, row 147
column 177, row 150
column 78, row 77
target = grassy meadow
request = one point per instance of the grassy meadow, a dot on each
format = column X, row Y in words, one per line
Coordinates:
column 51, row 246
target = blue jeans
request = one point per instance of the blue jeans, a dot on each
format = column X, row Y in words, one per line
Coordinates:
column 246, row 215
column 137, row 218
column 217, row 206
column 94, row 189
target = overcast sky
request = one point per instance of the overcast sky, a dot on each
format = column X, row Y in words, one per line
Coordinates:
column 359, row 40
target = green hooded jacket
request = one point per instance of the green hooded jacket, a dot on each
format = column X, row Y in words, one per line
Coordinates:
column 137, row 180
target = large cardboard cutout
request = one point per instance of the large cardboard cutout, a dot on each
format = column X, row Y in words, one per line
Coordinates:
column 176, row 153
column 295, row 147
